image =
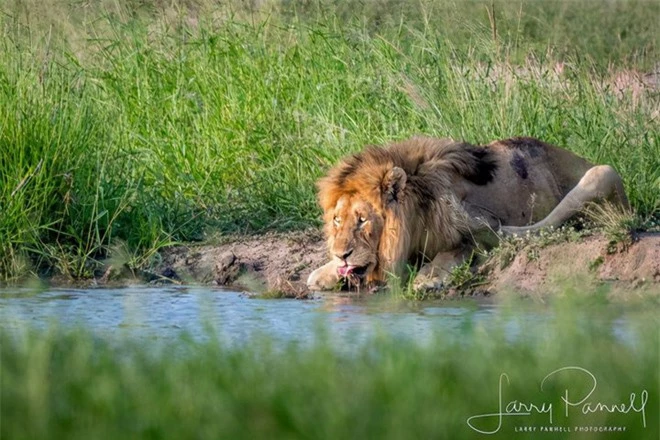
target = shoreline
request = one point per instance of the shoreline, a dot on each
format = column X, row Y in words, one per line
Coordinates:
column 278, row 264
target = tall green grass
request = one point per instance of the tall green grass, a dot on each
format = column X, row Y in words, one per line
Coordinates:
column 74, row 384
column 129, row 130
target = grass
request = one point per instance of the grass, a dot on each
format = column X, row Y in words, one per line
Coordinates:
column 72, row 384
column 129, row 128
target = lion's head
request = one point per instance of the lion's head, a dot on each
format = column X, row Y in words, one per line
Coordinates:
column 356, row 220
column 354, row 234
column 362, row 199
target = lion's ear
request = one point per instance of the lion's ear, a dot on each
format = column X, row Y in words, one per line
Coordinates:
column 392, row 186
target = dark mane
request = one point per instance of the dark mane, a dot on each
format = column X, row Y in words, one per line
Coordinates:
column 429, row 164
column 484, row 168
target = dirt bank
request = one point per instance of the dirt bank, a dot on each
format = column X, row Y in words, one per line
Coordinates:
column 634, row 270
column 280, row 263
column 268, row 263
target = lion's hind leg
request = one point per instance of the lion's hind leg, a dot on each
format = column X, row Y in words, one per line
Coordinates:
column 601, row 182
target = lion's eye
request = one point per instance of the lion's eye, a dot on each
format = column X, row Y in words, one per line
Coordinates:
column 336, row 221
column 362, row 220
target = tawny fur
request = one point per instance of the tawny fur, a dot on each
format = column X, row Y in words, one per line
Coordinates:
column 430, row 164
column 429, row 199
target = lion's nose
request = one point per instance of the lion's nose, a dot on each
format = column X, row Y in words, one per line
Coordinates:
column 344, row 255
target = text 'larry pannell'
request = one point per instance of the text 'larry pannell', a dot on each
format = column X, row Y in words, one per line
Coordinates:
column 571, row 402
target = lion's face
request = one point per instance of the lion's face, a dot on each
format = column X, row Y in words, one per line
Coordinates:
column 354, row 227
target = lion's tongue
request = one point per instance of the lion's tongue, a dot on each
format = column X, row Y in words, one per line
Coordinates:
column 345, row 270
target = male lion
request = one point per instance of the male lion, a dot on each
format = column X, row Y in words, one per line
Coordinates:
column 431, row 201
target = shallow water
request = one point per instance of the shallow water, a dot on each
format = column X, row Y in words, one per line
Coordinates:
column 167, row 313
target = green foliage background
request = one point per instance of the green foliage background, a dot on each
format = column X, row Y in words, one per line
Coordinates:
column 129, row 125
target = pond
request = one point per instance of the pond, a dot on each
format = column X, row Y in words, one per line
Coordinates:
column 167, row 313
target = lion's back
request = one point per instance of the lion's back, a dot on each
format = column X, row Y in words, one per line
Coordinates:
column 532, row 177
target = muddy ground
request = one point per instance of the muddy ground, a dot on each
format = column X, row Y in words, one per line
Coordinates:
column 280, row 264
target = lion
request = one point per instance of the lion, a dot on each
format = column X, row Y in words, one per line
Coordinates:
column 431, row 202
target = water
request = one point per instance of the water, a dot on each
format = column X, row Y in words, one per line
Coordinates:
column 167, row 313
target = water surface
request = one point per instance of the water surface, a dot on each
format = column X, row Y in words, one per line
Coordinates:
column 166, row 313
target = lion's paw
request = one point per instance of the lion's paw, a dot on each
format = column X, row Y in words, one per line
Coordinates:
column 323, row 278
column 425, row 284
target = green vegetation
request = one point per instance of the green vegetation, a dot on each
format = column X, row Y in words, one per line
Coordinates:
column 77, row 385
column 124, row 129
column 126, row 126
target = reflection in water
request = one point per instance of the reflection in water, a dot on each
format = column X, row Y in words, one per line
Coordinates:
column 165, row 313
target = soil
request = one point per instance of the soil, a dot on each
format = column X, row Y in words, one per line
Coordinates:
column 274, row 263
column 279, row 264
column 629, row 270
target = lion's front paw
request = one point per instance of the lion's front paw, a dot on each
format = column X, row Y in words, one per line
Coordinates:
column 323, row 278
column 425, row 284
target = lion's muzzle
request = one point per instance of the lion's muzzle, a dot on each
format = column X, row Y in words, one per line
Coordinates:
column 349, row 270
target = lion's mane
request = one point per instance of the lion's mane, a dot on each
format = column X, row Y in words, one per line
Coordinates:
column 423, row 217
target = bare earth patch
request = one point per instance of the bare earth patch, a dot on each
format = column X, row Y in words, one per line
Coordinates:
column 279, row 264
column 270, row 263
column 631, row 271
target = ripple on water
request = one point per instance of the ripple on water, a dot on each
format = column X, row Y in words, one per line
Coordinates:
column 157, row 313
